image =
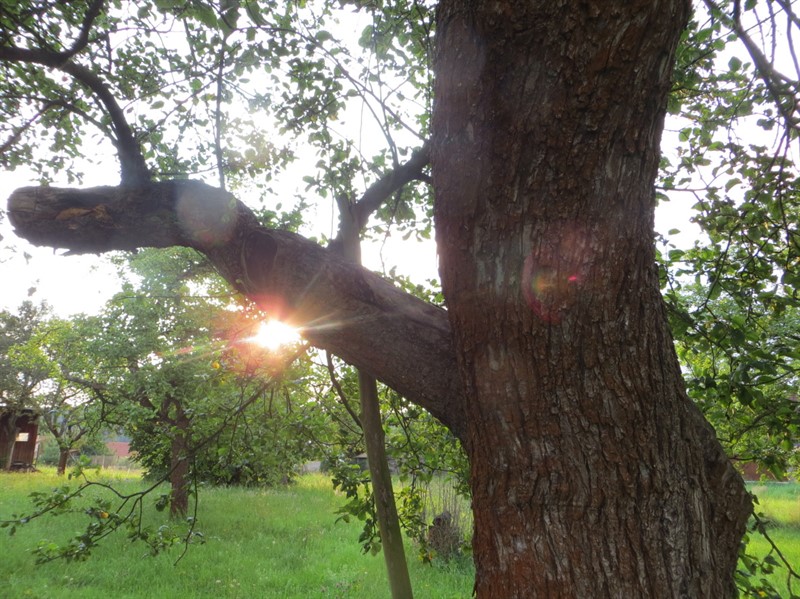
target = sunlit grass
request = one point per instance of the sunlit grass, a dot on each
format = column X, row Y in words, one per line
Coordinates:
column 282, row 542
column 260, row 543
column 779, row 504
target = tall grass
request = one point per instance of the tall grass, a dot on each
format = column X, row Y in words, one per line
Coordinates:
column 260, row 543
column 778, row 506
column 266, row 543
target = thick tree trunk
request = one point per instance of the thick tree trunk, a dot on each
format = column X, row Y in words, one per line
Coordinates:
column 592, row 473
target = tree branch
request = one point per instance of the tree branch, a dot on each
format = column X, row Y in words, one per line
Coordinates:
column 340, row 392
column 384, row 187
column 83, row 37
column 17, row 135
column 783, row 89
column 132, row 165
column 340, row 307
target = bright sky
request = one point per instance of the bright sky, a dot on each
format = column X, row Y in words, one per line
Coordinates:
column 70, row 284
column 73, row 284
column 84, row 283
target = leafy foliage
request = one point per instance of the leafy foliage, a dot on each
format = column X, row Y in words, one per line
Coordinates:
column 105, row 513
column 733, row 296
column 422, row 453
column 242, row 89
column 181, row 368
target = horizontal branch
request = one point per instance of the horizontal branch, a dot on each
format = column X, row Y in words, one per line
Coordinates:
column 343, row 308
column 379, row 191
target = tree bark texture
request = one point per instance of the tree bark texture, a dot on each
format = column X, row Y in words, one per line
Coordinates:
column 341, row 307
column 593, row 475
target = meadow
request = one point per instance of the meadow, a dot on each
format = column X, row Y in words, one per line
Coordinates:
column 280, row 543
column 779, row 507
column 259, row 543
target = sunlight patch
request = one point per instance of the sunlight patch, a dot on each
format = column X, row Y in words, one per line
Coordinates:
column 274, row 334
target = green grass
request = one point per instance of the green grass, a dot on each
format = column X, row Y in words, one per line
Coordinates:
column 264, row 543
column 780, row 502
column 780, row 505
column 260, row 543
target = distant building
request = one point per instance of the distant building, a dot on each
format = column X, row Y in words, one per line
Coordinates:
column 119, row 449
column 24, row 427
column 753, row 471
column 118, row 453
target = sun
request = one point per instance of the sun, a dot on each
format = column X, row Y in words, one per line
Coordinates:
column 274, row 334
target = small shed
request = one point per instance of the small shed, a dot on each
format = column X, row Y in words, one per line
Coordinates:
column 24, row 426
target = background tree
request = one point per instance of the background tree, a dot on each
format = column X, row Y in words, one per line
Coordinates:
column 154, row 374
column 67, row 411
column 742, row 372
column 19, row 379
column 176, row 367
column 553, row 364
column 732, row 295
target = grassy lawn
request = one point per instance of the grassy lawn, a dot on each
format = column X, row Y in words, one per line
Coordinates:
column 780, row 505
column 260, row 543
column 264, row 543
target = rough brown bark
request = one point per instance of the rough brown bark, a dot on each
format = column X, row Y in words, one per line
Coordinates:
column 592, row 473
column 340, row 306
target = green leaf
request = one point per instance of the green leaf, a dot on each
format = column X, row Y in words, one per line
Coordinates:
column 675, row 255
column 205, row 14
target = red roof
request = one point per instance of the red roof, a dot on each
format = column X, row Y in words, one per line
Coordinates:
column 121, row 449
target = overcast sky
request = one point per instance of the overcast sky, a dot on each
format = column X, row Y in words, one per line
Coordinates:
column 73, row 284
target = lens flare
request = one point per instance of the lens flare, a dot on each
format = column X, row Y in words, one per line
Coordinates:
column 555, row 272
column 274, row 334
column 546, row 289
column 205, row 218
